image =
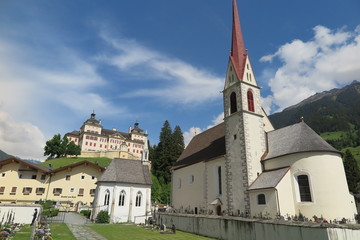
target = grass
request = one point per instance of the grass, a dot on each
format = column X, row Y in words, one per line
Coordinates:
column 62, row 162
column 332, row 135
column 61, row 231
column 24, row 233
column 133, row 232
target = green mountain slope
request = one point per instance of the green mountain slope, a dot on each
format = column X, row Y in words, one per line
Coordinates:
column 62, row 162
column 330, row 111
column 334, row 114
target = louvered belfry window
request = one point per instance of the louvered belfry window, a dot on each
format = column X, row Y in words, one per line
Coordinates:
column 304, row 188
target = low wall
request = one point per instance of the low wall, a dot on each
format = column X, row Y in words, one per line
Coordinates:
column 19, row 213
column 228, row 228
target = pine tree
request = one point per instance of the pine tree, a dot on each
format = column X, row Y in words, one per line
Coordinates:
column 352, row 172
column 178, row 143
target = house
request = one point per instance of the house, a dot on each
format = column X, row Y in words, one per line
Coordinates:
column 124, row 191
column 70, row 187
column 244, row 167
column 96, row 141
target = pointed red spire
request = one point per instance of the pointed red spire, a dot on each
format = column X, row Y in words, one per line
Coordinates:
column 238, row 51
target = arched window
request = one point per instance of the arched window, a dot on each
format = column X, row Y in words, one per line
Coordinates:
column 233, row 105
column 107, row 197
column 138, row 199
column 250, row 99
column 261, row 199
column 304, row 188
column 122, row 198
column 219, row 180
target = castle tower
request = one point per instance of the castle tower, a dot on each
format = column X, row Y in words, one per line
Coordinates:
column 244, row 125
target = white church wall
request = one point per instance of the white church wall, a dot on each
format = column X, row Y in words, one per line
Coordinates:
column 129, row 211
column 329, row 190
column 269, row 209
column 212, row 184
column 285, row 193
column 255, row 144
column 188, row 190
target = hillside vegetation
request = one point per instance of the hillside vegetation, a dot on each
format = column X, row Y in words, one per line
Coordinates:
column 334, row 114
column 4, row 155
column 62, row 162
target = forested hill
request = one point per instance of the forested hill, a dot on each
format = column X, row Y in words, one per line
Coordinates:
column 4, row 155
column 329, row 111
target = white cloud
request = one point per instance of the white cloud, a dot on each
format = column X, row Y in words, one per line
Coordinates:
column 188, row 135
column 176, row 81
column 20, row 138
column 331, row 59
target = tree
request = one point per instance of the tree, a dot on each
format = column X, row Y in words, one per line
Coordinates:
column 57, row 147
column 352, row 172
column 73, row 149
column 163, row 156
column 53, row 147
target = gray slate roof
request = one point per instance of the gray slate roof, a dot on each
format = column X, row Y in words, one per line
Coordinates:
column 294, row 139
column 205, row 146
column 269, row 179
column 126, row 171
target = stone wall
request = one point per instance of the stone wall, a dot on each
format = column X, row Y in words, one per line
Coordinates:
column 228, row 228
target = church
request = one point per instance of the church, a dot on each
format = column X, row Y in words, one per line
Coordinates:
column 245, row 167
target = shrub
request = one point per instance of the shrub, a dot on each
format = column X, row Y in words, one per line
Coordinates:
column 103, row 217
column 86, row 213
column 50, row 212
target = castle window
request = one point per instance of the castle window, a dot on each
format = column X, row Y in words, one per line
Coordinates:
column 233, row 105
column 2, row 190
column 261, row 199
column 122, row 198
column 304, row 188
column 107, row 198
column 43, row 177
column 67, row 178
column 138, row 199
column 219, row 181
column 250, row 99
column 179, row 183
column 3, row 175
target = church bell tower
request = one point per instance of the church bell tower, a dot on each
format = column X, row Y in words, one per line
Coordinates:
column 244, row 126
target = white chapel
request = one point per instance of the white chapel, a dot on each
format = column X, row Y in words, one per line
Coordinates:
column 244, row 167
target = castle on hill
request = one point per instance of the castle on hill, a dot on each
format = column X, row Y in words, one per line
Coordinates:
column 96, row 141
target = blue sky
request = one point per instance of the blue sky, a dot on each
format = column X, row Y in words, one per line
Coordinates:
column 151, row 61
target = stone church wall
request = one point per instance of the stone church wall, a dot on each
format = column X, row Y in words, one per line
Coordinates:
column 228, row 228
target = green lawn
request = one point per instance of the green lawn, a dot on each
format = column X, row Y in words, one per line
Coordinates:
column 133, row 232
column 62, row 162
column 24, row 233
column 61, row 231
